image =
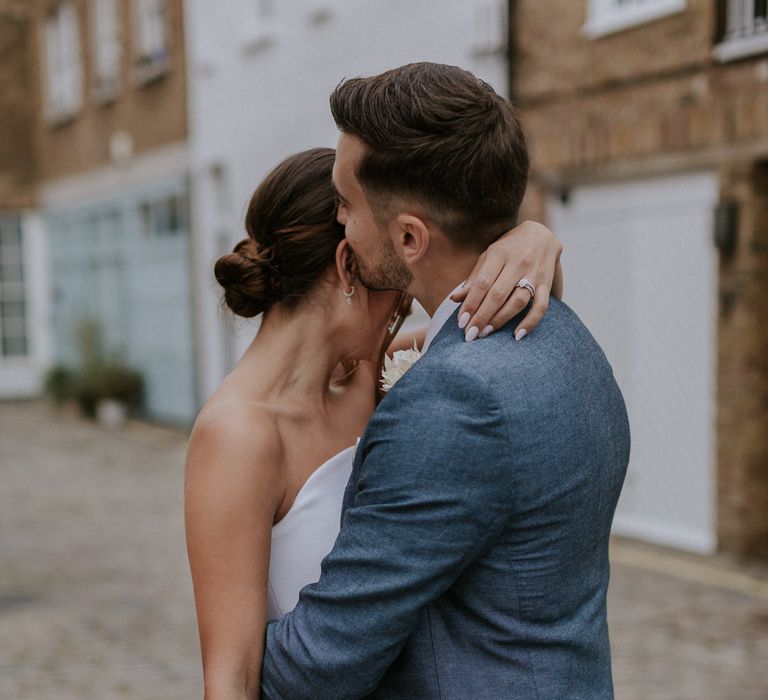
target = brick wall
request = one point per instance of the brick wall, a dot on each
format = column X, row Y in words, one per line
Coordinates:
column 693, row 117
column 641, row 94
column 153, row 114
column 743, row 370
column 555, row 59
column 17, row 108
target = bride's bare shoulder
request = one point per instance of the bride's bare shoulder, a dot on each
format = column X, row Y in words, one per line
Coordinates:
column 233, row 487
column 236, row 436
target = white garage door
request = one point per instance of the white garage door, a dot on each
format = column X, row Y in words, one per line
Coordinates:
column 640, row 270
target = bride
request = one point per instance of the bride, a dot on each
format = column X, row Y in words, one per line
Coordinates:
column 271, row 450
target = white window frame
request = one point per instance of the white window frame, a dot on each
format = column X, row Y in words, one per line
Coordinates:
column 745, row 35
column 106, row 48
column 151, row 38
column 609, row 16
column 13, row 292
column 63, row 63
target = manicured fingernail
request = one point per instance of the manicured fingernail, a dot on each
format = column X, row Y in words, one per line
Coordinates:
column 472, row 333
column 521, row 334
column 464, row 320
column 486, row 331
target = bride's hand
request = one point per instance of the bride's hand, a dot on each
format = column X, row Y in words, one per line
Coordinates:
column 490, row 299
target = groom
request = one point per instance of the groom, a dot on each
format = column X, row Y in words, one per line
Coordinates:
column 472, row 561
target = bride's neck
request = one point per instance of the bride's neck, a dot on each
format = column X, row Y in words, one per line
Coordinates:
column 294, row 355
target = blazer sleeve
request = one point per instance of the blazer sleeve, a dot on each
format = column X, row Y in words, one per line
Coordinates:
column 434, row 490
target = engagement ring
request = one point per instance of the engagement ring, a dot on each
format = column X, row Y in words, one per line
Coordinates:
column 525, row 284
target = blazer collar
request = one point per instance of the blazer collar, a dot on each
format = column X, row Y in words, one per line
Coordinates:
column 442, row 314
column 449, row 329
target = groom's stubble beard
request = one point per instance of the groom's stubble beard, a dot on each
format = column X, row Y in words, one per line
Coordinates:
column 389, row 272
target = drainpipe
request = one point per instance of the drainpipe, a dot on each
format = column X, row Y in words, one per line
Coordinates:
column 511, row 56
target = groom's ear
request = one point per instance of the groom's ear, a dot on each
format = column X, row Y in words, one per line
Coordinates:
column 413, row 237
column 346, row 264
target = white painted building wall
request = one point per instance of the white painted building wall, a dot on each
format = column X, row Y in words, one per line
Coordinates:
column 261, row 73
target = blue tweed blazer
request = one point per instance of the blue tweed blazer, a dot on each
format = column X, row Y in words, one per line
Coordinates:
column 472, row 560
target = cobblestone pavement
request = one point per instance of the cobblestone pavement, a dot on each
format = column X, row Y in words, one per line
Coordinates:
column 96, row 603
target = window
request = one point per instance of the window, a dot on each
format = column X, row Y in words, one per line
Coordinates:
column 13, row 322
column 105, row 40
column 151, row 31
column 608, row 16
column 260, row 25
column 164, row 218
column 64, row 72
column 743, row 29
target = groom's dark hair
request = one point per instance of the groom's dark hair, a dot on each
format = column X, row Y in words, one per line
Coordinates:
column 439, row 137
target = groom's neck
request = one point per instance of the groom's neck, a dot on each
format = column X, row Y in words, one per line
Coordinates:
column 438, row 277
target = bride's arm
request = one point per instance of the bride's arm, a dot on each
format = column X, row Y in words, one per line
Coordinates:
column 232, row 491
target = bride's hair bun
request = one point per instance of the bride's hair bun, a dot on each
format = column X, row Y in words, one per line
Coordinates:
column 248, row 279
column 292, row 237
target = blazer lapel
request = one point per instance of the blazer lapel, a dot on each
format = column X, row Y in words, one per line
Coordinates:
column 449, row 332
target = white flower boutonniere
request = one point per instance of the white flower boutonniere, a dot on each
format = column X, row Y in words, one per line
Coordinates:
column 394, row 369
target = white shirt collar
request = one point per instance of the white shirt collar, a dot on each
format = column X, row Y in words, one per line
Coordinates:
column 441, row 315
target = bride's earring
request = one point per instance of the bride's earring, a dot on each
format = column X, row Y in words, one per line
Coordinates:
column 349, row 294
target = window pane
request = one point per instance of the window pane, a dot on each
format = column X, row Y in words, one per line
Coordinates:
column 62, row 60
column 11, row 273
column 11, row 291
column 12, row 310
column 164, row 217
column 71, row 30
column 52, row 61
column 14, row 347
column 152, row 28
column 10, row 233
column 14, row 336
column 13, row 331
column 106, row 43
column 10, row 255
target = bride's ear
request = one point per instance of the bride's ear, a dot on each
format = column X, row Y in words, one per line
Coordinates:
column 346, row 265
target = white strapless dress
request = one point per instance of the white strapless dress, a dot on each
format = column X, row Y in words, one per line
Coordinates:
column 306, row 533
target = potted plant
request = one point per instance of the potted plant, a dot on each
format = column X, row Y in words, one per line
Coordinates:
column 61, row 385
column 108, row 391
